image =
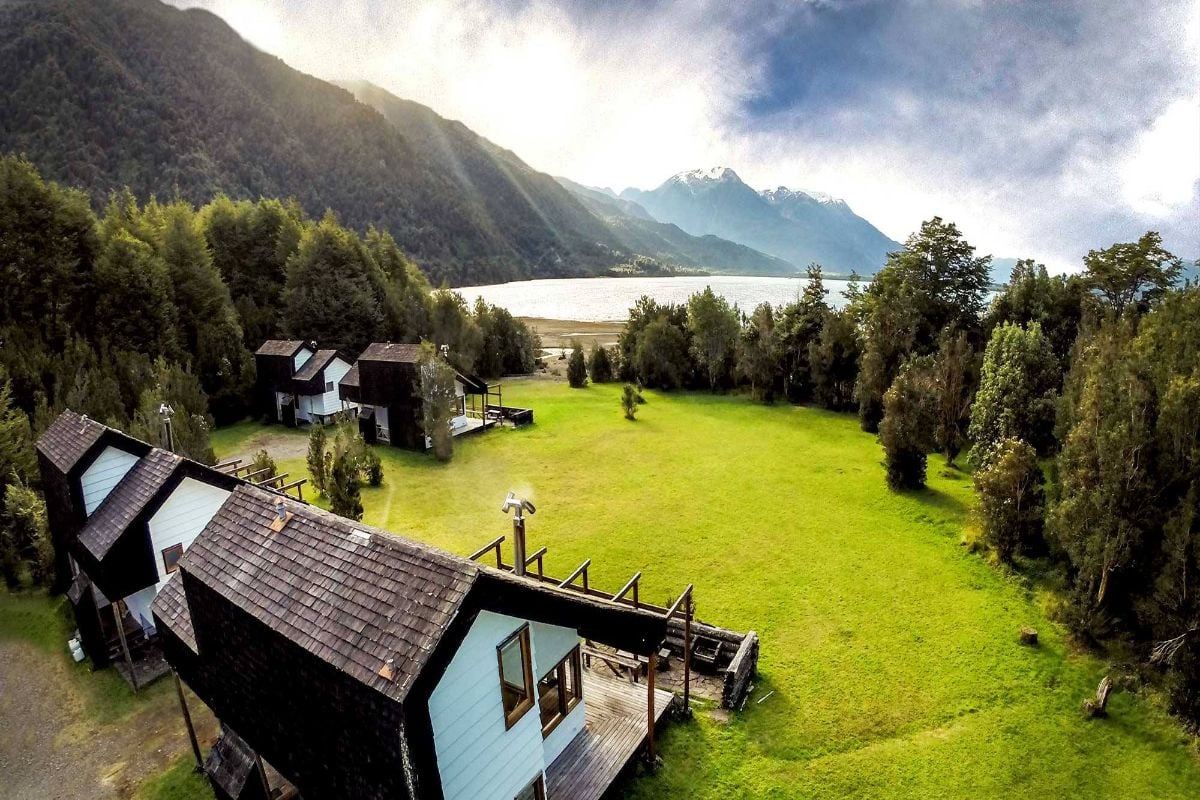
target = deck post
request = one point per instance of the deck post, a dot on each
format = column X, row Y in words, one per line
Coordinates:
column 651, row 669
column 124, row 644
column 187, row 720
column 687, row 652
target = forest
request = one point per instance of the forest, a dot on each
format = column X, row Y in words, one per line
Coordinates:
column 114, row 314
column 1070, row 399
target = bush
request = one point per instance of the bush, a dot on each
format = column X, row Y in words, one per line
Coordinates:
column 263, row 460
column 630, row 399
column 372, row 467
column 577, row 374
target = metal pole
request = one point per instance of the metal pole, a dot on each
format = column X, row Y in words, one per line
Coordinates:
column 518, row 544
column 170, row 434
column 187, row 719
column 124, row 645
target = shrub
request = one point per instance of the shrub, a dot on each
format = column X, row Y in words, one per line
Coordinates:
column 630, row 398
column 318, row 466
column 263, row 460
column 907, row 429
column 372, row 467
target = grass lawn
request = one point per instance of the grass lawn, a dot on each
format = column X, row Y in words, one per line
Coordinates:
column 892, row 652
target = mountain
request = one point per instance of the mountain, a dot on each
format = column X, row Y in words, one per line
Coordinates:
column 639, row 232
column 799, row 227
column 110, row 93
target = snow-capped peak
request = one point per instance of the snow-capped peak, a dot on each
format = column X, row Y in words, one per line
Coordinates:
column 709, row 175
column 783, row 194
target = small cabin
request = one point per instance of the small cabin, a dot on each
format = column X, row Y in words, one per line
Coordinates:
column 385, row 384
column 298, row 384
column 345, row 661
column 121, row 514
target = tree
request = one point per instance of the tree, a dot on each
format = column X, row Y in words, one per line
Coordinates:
column 600, row 364
column 130, row 275
column 577, row 367
column 833, row 362
column 1011, row 502
column 25, row 530
column 1017, row 387
column 169, row 383
column 344, row 482
column 437, row 401
column 1058, row 303
column 318, row 466
column 452, row 325
column 935, row 282
column 955, row 385
column 1132, row 272
column 758, row 353
column 661, row 357
column 800, row 324
column 630, row 398
column 508, row 345
column 714, row 326
column 907, row 429
column 329, row 297
column 372, row 466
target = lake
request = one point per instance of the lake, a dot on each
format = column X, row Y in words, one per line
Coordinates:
column 609, row 299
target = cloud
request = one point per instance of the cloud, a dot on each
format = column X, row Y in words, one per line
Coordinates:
column 1043, row 129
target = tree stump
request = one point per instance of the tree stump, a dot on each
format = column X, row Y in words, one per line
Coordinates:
column 1029, row 637
column 1097, row 706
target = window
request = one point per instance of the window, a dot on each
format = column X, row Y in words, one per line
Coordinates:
column 534, row 791
column 328, row 386
column 516, row 676
column 171, row 557
column 559, row 691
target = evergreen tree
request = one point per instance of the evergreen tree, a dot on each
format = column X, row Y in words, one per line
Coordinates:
column 758, row 353
column 800, row 325
column 317, row 466
column 191, row 423
column 714, row 327
column 452, row 325
column 329, row 297
column 661, row 357
column 1016, row 394
column 130, row 275
column 345, row 482
column 833, row 362
column 25, row 537
column 577, row 367
column 1058, row 303
column 1011, row 501
column 908, row 426
column 600, row 364
column 629, row 401
column 955, row 386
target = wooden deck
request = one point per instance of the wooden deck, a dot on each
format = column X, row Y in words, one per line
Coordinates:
column 614, row 731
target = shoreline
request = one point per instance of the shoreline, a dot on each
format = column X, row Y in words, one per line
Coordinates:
column 556, row 333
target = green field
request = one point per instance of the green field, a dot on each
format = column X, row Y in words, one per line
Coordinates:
column 891, row 651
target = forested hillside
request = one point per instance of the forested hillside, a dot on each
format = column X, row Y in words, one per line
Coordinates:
column 115, row 93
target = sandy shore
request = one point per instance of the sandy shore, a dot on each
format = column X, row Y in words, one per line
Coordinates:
column 562, row 332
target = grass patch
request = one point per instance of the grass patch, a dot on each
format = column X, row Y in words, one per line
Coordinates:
column 892, row 651
column 46, row 623
column 180, row 781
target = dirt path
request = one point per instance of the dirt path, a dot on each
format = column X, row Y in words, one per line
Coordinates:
column 50, row 748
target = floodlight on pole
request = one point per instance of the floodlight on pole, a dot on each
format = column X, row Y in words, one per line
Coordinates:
column 518, row 505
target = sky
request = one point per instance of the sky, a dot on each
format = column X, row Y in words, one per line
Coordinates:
column 1043, row 129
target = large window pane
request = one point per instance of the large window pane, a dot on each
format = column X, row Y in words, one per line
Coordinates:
column 515, row 676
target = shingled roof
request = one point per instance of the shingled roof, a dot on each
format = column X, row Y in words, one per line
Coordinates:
column 280, row 347
column 351, row 595
column 171, row 606
column 315, row 365
column 351, row 377
column 68, row 439
column 392, row 351
column 127, row 500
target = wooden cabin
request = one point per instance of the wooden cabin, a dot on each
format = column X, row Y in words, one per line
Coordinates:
column 297, row 383
column 350, row 662
column 385, row 383
column 121, row 514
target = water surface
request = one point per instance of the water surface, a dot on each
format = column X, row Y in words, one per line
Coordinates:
column 609, row 299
